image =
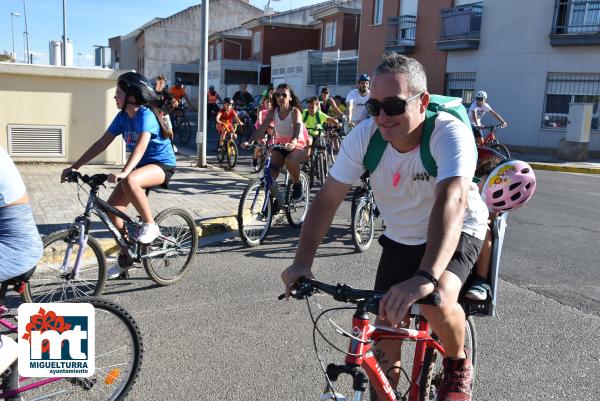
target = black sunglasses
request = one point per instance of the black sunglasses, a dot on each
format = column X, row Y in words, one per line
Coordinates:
column 280, row 94
column 393, row 107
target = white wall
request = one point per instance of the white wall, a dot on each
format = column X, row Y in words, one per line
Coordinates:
column 511, row 65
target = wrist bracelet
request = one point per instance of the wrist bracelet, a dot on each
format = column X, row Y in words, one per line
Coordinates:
column 428, row 276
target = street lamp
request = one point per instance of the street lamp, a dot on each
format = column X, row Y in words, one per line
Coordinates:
column 78, row 54
column 12, row 31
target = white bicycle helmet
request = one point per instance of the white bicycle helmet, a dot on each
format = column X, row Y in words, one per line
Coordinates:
column 481, row 95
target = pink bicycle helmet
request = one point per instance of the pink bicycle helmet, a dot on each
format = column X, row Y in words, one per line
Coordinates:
column 509, row 186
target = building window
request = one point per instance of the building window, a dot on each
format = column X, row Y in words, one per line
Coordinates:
column 461, row 84
column 256, row 43
column 378, row 12
column 219, row 51
column 563, row 89
column 330, row 34
column 211, row 54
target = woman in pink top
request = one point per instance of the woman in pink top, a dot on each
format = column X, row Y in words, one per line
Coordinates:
column 289, row 131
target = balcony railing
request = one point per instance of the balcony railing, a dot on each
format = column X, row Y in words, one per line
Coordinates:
column 576, row 22
column 461, row 27
column 402, row 31
column 332, row 68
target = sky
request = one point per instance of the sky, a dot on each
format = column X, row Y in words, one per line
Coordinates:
column 90, row 22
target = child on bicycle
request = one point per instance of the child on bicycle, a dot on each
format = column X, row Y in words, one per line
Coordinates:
column 151, row 161
column 265, row 107
column 314, row 119
column 504, row 185
column 225, row 118
column 289, row 132
column 478, row 108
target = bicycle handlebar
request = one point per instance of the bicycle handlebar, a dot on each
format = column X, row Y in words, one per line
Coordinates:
column 306, row 287
column 94, row 181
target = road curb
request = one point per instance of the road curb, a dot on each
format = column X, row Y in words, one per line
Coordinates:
column 568, row 169
column 206, row 228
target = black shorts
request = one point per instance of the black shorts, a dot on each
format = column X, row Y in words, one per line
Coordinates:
column 399, row 262
column 169, row 171
column 476, row 132
column 284, row 152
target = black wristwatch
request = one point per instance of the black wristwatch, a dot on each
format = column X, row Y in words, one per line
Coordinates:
column 428, row 276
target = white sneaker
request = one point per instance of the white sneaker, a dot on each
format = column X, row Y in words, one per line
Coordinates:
column 115, row 271
column 148, row 233
column 9, row 352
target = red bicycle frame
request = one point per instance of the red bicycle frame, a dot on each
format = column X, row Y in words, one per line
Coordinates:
column 360, row 353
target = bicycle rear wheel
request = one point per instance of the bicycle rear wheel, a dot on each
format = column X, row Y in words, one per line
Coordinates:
column 253, row 223
column 175, row 248
column 433, row 372
column 503, row 150
column 119, row 352
column 49, row 284
column 232, row 154
column 184, row 132
column 296, row 211
column 363, row 225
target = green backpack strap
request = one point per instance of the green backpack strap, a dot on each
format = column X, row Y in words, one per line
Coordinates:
column 305, row 116
column 426, row 156
column 375, row 151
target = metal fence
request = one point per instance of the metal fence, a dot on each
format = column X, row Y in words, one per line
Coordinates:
column 461, row 22
column 326, row 69
column 576, row 16
column 461, row 84
column 402, row 30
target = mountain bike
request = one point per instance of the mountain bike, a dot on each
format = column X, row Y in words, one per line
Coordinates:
column 73, row 263
column 229, row 148
column 262, row 152
column 182, row 128
column 264, row 198
column 426, row 375
column 119, row 352
column 334, row 141
column 363, row 213
column 490, row 140
column 318, row 163
column 247, row 114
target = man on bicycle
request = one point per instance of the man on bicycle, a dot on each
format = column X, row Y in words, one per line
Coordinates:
column 476, row 111
column 225, row 119
column 434, row 225
column 243, row 98
column 356, row 101
column 178, row 92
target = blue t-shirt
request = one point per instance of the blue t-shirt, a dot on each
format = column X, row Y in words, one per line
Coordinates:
column 159, row 148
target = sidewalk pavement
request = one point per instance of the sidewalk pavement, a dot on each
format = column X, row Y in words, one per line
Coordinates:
column 548, row 162
column 210, row 194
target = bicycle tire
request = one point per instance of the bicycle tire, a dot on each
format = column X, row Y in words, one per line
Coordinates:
column 113, row 323
column 432, row 372
column 221, row 153
column 502, row 149
column 90, row 281
column 322, row 162
column 252, row 225
column 185, row 237
column 358, row 193
column 295, row 212
column 185, row 132
column 232, row 154
column 363, row 222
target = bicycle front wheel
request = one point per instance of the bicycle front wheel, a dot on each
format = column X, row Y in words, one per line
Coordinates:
column 170, row 255
column 119, row 352
column 296, row 211
column 433, row 372
column 363, row 227
column 255, row 214
column 503, row 150
column 49, row 283
column 232, row 154
column 185, row 132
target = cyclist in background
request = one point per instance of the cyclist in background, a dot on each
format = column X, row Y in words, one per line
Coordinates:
column 151, row 161
column 477, row 110
column 212, row 100
column 178, row 92
column 328, row 105
column 225, row 119
column 243, row 98
column 166, row 102
column 289, row 131
column 356, row 101
column 265, row 107
column 339, row 102
column 314, row 119
column 434, row 227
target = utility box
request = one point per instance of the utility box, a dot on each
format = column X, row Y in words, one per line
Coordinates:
column 574, row 147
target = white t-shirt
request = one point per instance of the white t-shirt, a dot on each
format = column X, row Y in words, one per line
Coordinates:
column 358, row 102
column 479, row 110
column 407, row 206
column 11, row 183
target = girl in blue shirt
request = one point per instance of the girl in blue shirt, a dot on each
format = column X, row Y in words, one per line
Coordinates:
column 151, row 162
